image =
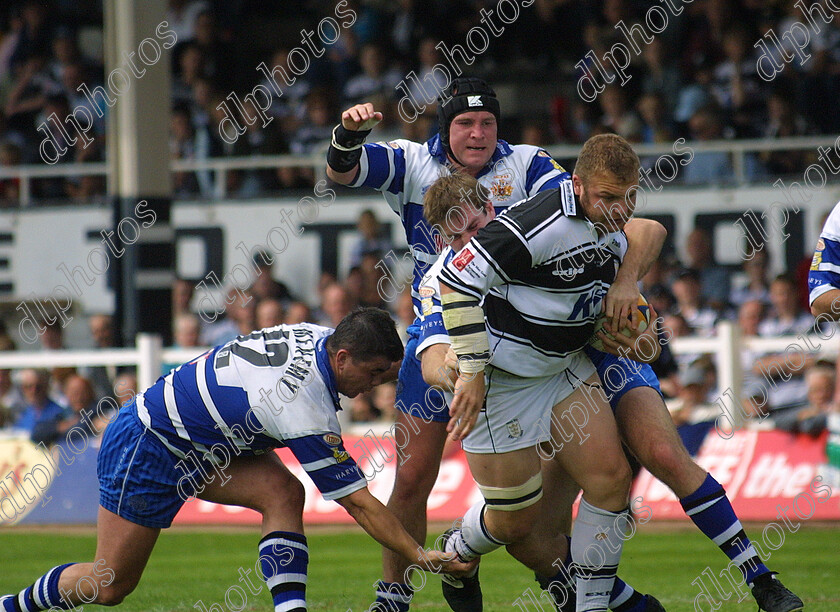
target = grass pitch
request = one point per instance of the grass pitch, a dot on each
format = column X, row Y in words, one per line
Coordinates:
column 189, row 566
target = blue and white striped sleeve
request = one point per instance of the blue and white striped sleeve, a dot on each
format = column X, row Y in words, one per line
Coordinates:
column 544, row 173
column 328, row 464
column 381, row 167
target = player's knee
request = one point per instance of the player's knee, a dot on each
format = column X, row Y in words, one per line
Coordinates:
column 514, row 526
column 414, row 481
column 666, row 461
column 609, row 488
column 115, row 593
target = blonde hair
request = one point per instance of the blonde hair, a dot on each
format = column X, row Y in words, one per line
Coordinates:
column 608, row 154
column 448, row 194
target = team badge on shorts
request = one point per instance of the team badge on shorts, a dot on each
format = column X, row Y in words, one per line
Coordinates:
column 514, row 428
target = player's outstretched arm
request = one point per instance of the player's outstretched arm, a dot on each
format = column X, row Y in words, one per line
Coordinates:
column 436, row 372
column 386, row 529
column 346, row 147
column 645, row 238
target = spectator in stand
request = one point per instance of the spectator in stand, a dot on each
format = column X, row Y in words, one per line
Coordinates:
column 102, row 332
column 270, row 313
column 35, row 35
column 28, row 97
column 372, row 240
column 371, row 276
column 264, row 285
column 656, row 127
column 188, row 143
column 182, row 295
column 376, row 79
column 714, row 279
column 125, row 387
column 186, row 331
column 335, row 305
column 182, row 15
column 12, row 401
column 433, row 83
column 316, row 132
column 240, row 307
column 691, row 304
column 737, row 87
column 218, row 57
column 707, row 167
column 298, row 312
column 81, row 414
column 384, row 397
column 784, row 372
column 754, row 286
column 787, row 317
column 362, row 409
column 812, row 419
column 617, row 116
column 39, row 409
column 783, row 121
column 695, row 95
column 661, row 76
column 191, row 68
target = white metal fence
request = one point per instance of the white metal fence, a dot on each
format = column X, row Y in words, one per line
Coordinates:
column 148, row 356
column 738, row 149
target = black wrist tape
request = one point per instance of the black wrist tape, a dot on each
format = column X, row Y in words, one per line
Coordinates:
column 343, row 161
column 348, row 138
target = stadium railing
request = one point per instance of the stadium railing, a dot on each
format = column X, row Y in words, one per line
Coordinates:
column 738, row 149
column 148, row 355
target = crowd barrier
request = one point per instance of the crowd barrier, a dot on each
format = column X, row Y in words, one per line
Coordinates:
column 760, row 469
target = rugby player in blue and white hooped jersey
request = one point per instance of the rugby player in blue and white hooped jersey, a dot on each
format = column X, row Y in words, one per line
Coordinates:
column 824, row 276
column 207, row 429
column 468, row 114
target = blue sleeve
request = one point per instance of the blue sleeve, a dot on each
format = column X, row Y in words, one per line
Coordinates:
column 330, row 467
column 544, row 173
column 381, row 167
column 825, row 268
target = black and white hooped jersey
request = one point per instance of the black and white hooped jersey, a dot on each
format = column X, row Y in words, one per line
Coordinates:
column 542, row 271
column 403, row 170
column 271, row 388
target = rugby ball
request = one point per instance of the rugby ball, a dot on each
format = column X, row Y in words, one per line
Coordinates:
column 641, row 316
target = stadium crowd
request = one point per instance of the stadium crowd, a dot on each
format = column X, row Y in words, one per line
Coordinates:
column 699, row 79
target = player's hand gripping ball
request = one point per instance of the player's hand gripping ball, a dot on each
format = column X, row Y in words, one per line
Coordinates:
column 641, row 317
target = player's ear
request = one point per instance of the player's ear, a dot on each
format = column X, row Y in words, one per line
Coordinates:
column 341, row 358
column 577, row 184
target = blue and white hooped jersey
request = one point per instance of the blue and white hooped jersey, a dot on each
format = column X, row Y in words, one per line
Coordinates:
column 432, row 329
column 271, row 388
column 825, row 267
column 403, row 170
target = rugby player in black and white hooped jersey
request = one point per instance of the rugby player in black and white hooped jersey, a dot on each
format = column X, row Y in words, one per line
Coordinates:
column 642, row 417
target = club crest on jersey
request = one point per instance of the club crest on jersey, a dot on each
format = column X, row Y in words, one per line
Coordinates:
column 463, row 258
column 332, row 439
column 501, row 187
column 514, row 429
column 818, row 255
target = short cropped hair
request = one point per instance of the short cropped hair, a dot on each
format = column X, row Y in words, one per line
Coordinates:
column 450, row 191
column 367, row 334
column 608, row 154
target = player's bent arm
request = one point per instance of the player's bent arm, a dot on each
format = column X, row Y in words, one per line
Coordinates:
column 827, row 305
column 381, row 524
column 645, row 238
column 347, row 140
